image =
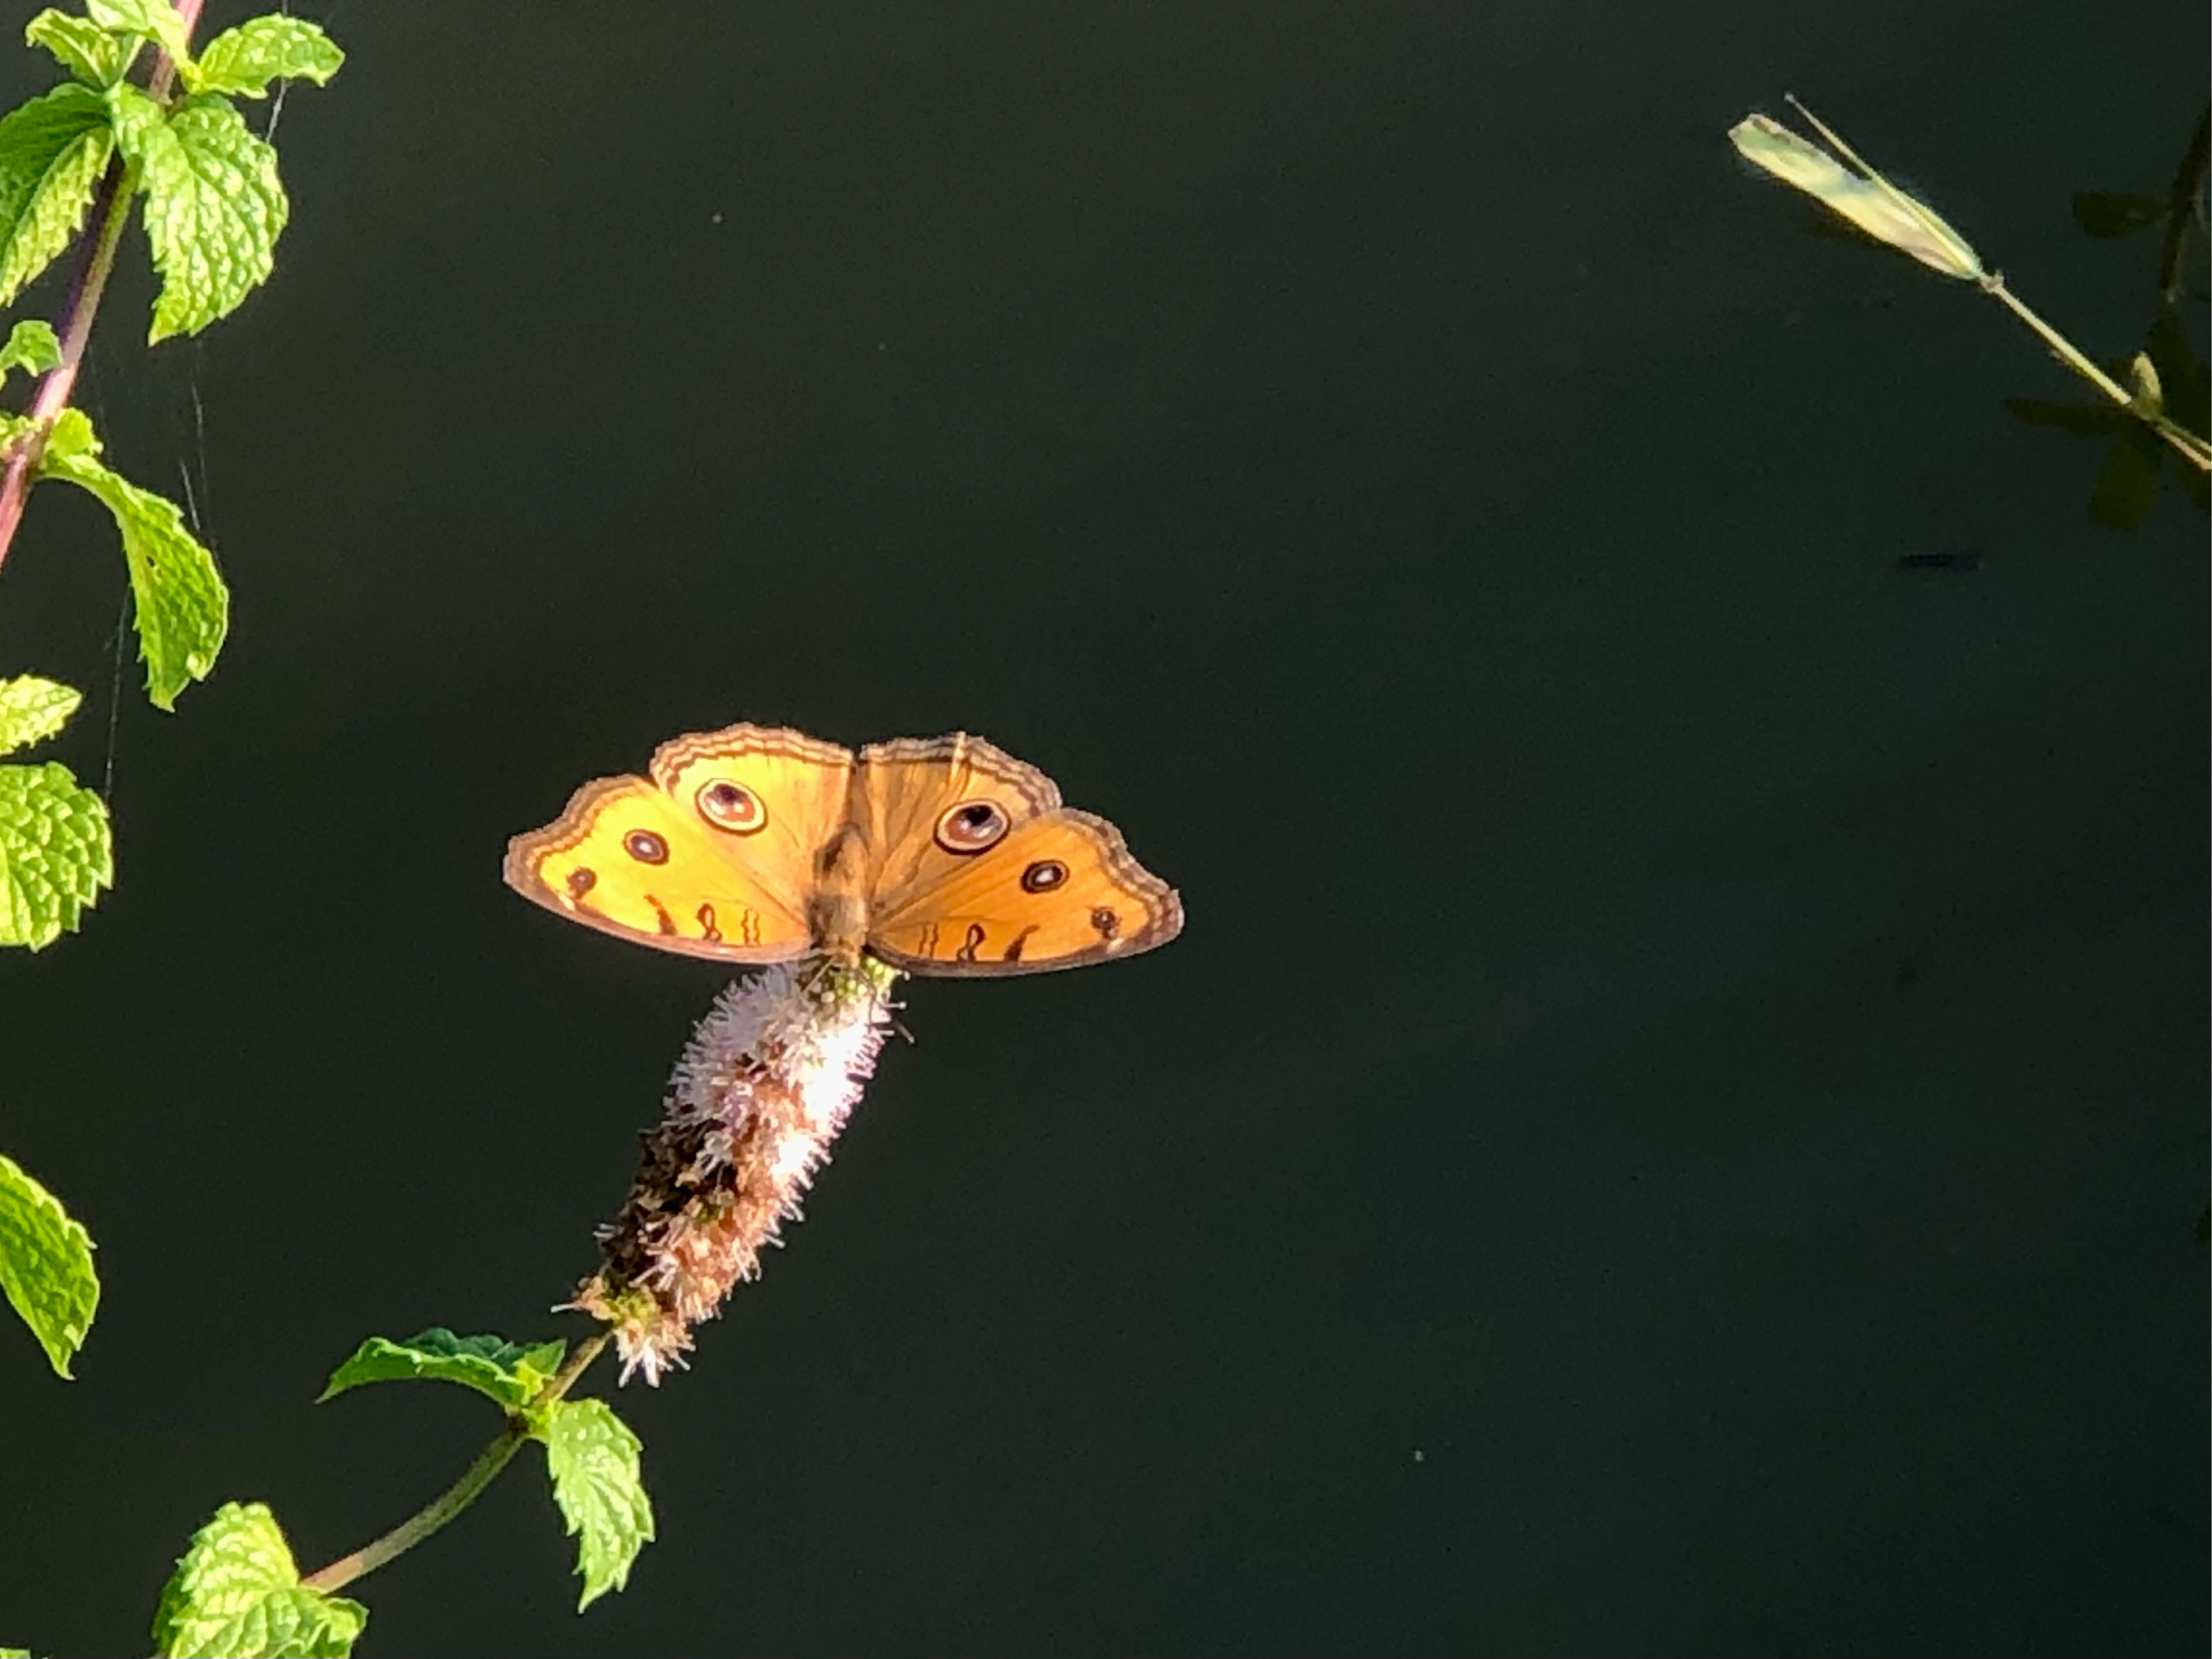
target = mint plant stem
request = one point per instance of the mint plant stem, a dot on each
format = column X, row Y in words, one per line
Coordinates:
column 110, row 209
column 480, row 1473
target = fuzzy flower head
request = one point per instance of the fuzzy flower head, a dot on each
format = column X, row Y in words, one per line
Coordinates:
column 767, row 1081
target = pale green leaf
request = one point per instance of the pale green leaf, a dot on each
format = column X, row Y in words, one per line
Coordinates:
column 276, row 47
column 2142, row 379
column 52, row 150
column 151, row 19
column 93, row 54
column 46, row 1266
column 504, row 1372
column 1865, row 199
column 31, row 344
column 178, row 602
column 33, row 710
column 55, row 853
column 72, row 434
column 236, row 1592
column 591, row 1456
column 214, row 205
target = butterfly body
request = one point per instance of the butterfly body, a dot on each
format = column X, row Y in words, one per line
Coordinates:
column 759, row 844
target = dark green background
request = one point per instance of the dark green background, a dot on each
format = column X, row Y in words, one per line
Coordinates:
column 1675, row 1124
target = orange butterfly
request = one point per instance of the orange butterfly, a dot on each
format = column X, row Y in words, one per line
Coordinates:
column 760, row 844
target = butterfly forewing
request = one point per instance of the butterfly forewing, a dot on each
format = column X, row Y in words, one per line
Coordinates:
column 713, row 856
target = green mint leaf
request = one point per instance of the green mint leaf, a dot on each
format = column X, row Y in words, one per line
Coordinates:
column 178, row 601
column 52, row 149
column 505, row 1373
column 31, row 344
column 591, row 1456
column 46, row 1266
column 33, row 710
column 55, row 854
column 93, row 54
column 276, row 47
column 70, row 435
column 236, row 1591
column 214, row 205
column 149, row 20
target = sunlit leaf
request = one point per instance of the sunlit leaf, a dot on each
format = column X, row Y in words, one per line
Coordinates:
column 55, row 853
column 33, row 710
column 593, row 1456
column 505, row 1372
column 46, row 1266
column 236, row 1592
column 52, row 150
column 214, row 204
column 94, row 54
column 178, row 602
column 1862, row 197
column 275, row 47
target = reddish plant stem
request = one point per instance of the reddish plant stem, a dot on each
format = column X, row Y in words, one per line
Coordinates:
column 111, row 207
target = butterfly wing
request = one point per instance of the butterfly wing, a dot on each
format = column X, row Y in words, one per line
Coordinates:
column 714, row 855
column 979, row 870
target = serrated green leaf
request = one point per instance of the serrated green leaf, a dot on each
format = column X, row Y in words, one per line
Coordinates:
column 504, row 1372
column 46, row 1266
column 2127, row 482
column 591, row 1456
column 51, row 151
column 236, row 1591
column 260, row 50
column 178, row 602
column 214, row 205
column 31, row 344
column 33, row 710
column 15, row 1653
column 2115, row 213
column 55, row 853
column 151, row 19
column 72, row 434
column 94, row 54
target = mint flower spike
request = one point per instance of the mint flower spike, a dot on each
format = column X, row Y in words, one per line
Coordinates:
column 766, row 1083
